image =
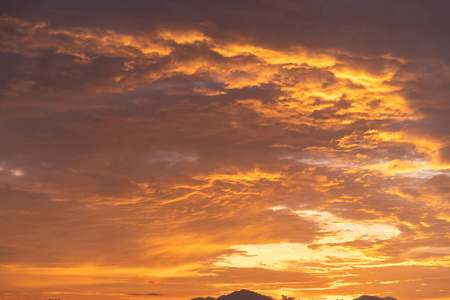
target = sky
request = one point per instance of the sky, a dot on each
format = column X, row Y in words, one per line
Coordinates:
column 178, row 149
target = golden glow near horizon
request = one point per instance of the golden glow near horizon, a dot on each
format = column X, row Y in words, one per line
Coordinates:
column 176, row 160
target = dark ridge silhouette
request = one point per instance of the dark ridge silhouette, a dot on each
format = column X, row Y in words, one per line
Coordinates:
column 249, row 295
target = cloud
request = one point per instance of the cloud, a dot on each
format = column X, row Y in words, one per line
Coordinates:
column 150, row 294
column 238, row 295
column 191, row 142
column 374, row 298
column 246, row 294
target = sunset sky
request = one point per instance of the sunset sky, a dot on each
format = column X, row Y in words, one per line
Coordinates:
column 176, row 149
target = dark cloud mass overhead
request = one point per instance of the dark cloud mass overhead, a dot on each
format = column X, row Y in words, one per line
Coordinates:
column 374, row 298
column 171, row 149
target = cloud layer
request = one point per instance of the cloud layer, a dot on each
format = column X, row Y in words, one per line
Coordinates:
column 174, row 149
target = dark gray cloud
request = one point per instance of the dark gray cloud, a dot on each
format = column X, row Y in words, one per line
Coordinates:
column 404, row 28
column 374, row 298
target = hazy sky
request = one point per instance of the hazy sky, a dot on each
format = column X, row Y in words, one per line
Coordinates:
column 176, row 149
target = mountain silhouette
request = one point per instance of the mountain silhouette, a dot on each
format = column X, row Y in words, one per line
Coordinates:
column 249, row 295
column 240, row 295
